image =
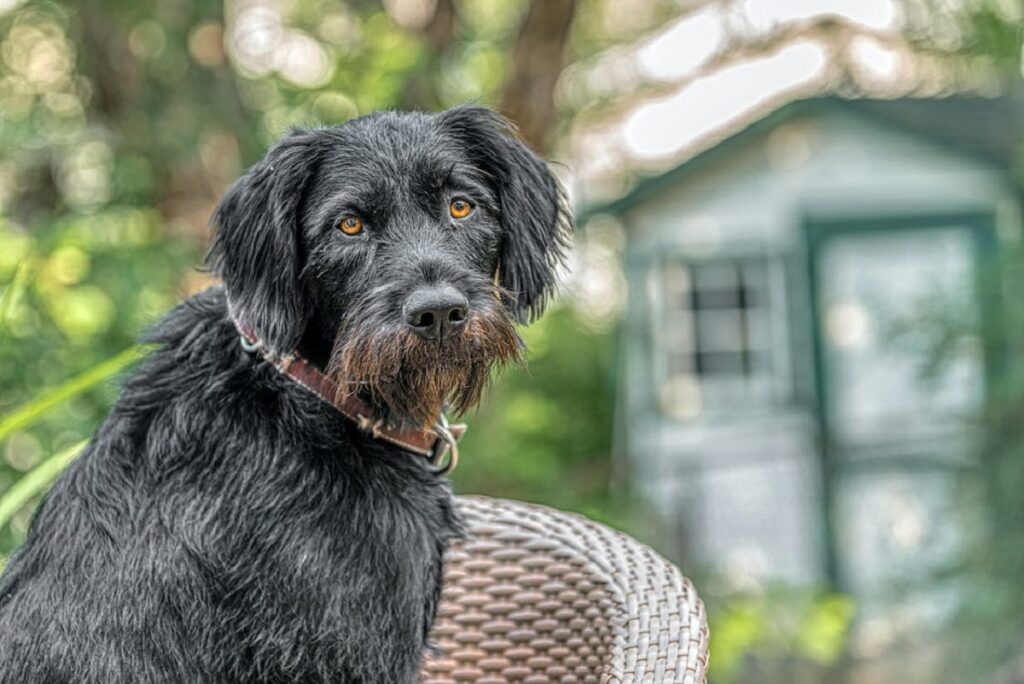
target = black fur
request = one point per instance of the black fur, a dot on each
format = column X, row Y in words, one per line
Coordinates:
column 224, row 525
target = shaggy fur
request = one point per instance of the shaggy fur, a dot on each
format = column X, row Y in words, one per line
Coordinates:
column 224, row 525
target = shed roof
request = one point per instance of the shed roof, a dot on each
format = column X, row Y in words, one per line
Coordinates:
column 989, row 129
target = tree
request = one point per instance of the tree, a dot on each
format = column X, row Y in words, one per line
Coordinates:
column 528, row 97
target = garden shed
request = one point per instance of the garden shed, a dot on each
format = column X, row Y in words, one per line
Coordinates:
column 813, row 323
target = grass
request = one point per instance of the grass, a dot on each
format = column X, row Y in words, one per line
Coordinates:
column 39, row 479
column 29, row 413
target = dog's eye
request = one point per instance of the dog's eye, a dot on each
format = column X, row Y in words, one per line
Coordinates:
column 351, row 225
column 460, row 208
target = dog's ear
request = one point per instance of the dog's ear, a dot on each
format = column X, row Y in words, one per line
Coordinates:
column 535, row 215
column 256, row 246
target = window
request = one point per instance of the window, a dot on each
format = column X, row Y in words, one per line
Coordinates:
column 715, row 336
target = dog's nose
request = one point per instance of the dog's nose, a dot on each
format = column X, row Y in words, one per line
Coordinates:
column 436, row 313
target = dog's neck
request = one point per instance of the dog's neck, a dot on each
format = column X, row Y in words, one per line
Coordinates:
column 432, row 441
column 316, row 345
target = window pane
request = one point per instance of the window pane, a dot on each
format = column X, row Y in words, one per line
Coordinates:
column 755, row 286
column 759, row 330
column 714, row 363
column 720, row 330
column 713, row 335
column 723, row 276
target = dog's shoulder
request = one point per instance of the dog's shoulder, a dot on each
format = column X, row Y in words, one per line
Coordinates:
column 194, row 356
column 185, row 326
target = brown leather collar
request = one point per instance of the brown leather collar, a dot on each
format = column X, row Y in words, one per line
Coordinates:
column 439, row 445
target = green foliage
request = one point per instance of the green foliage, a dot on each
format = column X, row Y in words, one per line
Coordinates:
column 24, row 416
column 990, row 626
column 76, row 292
column 36, row 482
column 800, row 628
column 995, row 33
column 544, row 434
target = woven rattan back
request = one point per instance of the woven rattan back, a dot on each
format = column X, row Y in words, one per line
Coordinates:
column 538, row 596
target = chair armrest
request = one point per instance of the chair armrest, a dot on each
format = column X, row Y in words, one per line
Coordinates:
column 538, row 595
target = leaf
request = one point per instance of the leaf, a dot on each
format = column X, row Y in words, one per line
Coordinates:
column 37, row 408
column 13, row 292
column 36, row 481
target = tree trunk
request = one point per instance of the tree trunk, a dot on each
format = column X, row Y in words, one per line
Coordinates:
column 528, row 98
column 114, row 72
column 423, row 83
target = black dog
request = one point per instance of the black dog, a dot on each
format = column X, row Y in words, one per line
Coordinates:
column 227, row 524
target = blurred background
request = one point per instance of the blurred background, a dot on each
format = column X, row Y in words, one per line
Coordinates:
column 789, row 352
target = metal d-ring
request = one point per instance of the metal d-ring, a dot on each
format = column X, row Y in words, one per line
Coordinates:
column 446, row 444
column 248, row 346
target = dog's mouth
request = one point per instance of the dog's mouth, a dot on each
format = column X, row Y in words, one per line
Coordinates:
column 414, row 379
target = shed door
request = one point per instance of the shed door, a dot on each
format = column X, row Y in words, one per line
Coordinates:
column 900, row 373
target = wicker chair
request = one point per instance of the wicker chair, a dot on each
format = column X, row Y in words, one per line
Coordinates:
column 539, row 596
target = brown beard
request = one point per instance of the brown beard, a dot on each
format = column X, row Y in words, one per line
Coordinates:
column 417, row 378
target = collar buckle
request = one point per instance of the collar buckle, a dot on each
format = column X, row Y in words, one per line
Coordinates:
column 446, row 445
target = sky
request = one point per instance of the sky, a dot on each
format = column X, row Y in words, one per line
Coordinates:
column 700, row 94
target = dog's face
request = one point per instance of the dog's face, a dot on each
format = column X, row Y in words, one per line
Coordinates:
column 411, row 244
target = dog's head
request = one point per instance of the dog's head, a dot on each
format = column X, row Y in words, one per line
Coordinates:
column 408, row 244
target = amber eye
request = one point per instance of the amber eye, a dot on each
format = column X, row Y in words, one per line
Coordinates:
column 459, row 208
column 351, row 225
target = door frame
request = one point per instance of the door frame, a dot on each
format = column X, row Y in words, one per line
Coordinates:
column 817, row 232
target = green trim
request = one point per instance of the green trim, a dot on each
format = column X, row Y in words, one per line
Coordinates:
column 649, row 185
column 817, row 232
